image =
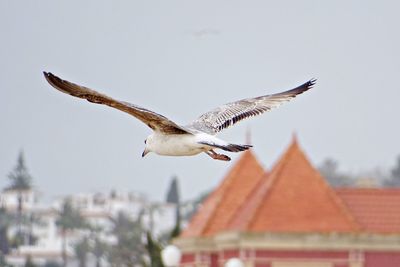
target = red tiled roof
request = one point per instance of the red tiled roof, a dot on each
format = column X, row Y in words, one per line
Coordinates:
column 294, row 198
column 376, row 209
column 222, row 204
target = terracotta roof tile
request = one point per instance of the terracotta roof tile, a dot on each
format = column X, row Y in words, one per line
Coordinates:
column 222, row 204
column 376, row 209
column 294, row 198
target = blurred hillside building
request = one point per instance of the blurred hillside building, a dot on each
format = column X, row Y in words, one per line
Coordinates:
column 98, row 209
column 12, row 199
column 291, row 217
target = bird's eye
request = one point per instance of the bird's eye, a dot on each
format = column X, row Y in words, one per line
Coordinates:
column 145, row 141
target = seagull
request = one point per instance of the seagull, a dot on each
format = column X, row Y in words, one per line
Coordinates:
column 171, row 139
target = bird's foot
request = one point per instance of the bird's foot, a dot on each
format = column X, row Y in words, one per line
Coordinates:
column 217, row 156
column 222, row 157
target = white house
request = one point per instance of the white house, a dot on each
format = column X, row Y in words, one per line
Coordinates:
column 10, row 199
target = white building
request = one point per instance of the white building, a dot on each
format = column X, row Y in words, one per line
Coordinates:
column 10, row 199
column 97, row 208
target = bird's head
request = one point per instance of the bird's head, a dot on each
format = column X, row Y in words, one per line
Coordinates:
column 147, row 145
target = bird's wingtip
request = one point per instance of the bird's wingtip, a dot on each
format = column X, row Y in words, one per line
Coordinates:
column 47, row 74
column 311, row 83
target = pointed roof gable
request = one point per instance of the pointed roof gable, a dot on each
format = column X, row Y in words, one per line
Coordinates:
column 294, row 198
column 222, row 204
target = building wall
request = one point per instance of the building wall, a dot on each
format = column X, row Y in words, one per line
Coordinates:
column 382, row 259
column 9, row 199
column 268, row 258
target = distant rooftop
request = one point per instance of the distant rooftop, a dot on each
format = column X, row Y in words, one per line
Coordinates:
column 293, row 197
column 219, row 209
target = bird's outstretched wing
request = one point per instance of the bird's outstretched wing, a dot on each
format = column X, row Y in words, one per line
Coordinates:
column 155, row 121
column 227, row 115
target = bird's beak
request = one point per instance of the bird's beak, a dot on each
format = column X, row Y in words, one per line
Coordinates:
column 145, row 152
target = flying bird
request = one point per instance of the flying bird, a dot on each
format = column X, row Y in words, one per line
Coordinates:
column 171, row 139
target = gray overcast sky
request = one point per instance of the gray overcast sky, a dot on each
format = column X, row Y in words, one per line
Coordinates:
column 182, row 58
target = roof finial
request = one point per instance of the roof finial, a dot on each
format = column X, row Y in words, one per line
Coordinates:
column 248, row 135
column 294, row 138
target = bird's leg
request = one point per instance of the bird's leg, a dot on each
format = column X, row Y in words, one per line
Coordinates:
column 217, row 156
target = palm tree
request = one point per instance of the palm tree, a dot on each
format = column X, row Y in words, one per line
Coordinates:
column 69, row 219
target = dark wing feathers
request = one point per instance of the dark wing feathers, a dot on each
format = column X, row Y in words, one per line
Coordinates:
column 211, row 122
column 227, row 115
column 155, row 121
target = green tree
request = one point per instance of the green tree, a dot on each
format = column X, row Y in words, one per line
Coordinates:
column 177, row 229
column 3, row 262
column 24, row 234
column 20, row 180
column 173, row 192
column 154, row 248
column 51, row 264
column 396, row 170
column 329, row 170
column 5, row 222
column 69, row 219
column 99, row 250
column 97, row 247
column 82, row 249
column 174, row 198
column 29, row 262
column 129, row 250
column 190, row 207
column 394, row 180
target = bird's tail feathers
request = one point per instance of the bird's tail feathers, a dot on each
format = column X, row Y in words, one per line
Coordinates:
column 237, row 148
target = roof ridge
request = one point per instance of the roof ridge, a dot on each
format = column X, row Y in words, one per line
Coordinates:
column 365, row 190
column 284, row 174
column 249, row 194
column 272, row 179
column 209, row 198
column 342, row 206
column 221, row 205
column 264, row 185
column 257, row 187
column 337, row 200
